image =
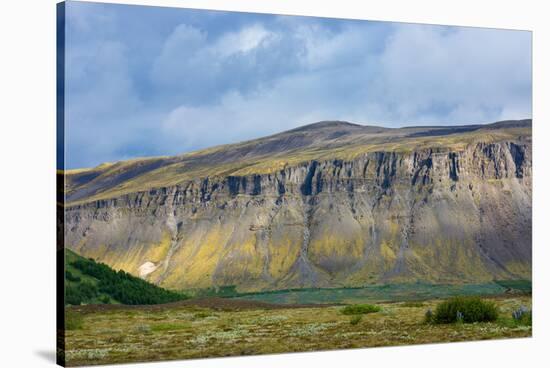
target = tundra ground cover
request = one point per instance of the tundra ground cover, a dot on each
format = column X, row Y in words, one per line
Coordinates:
column 141, row 334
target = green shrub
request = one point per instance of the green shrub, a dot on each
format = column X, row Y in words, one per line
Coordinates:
column 412, row 304
column 80, row 293
column 219, row 291
column 466, row 310
column 360, row 309
column 70, row 277
column 119, row 285
column 73, row 296
column 105, row 299
column 202, row 314
column 73, row 321
column 356, row 319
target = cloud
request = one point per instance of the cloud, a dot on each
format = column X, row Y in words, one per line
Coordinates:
column 243, row 41
column 458, row 75
column 197, row 79
column 99, row 98
column 90, row 20
column 197, row 69
column 424, row 75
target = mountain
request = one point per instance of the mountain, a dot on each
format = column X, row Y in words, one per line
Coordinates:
column 327, row 204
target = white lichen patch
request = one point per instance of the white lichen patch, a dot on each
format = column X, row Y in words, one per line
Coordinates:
column 221, row 336
column 90, row 354
column 311, row 329
column 268, row 320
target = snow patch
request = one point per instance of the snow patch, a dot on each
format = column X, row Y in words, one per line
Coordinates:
column 146, row 268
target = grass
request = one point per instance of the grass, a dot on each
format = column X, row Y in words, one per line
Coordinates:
column 73, row 321
column 355, row 319
column 124, row 336
column 161, row 327
column 202, row 314
column 360, row 309
column 375, row 293
column 508, row 322
column 519, row 285
column 413, row 292
column 525, row 320
column 412, row 304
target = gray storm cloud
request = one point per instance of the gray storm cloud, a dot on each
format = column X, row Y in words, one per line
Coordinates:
column 195, row 84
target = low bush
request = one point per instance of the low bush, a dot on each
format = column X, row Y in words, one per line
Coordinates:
column 202, row 314
column 412, row 304
column 105, row 299
column 465, row 310
column 360, row 309
column 70, row 277
column 356, row 319
column 80, row 293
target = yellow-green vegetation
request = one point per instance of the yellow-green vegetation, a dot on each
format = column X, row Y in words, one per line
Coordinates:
column 73, row 321
column 179, row 332
column 412, row 304
column 356, row 319
column 336, row 246
column 360, row 309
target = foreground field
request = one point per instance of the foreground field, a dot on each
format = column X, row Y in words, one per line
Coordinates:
column 117, row 334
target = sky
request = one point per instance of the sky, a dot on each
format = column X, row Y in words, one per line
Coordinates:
column 148, row 81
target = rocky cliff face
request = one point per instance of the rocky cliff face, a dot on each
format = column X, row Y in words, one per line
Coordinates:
column 431, row 214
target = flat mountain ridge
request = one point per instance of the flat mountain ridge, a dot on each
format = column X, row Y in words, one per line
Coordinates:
column 328, row 204
column 326, row 139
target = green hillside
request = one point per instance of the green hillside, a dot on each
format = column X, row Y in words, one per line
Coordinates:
column 89, row 282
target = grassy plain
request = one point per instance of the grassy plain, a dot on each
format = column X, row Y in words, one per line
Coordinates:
column 122, row 334
column 385, row 292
